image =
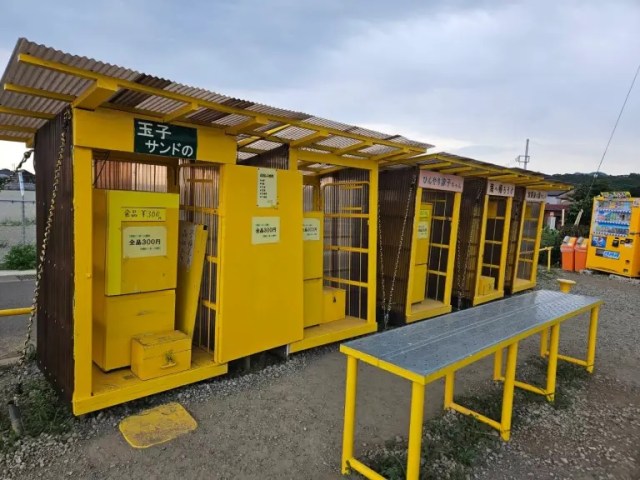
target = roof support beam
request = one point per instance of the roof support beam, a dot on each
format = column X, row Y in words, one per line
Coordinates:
column 505, row 176
column 450, row 171
column 435, row 166
column 36, row 92
column 393, row 155
column 247, row 126
column 217, row 106
column 16, row 128
column 310, row 139
column 26, row 113
column 98, row 93
column 330, row 159
column 353, row 148
column 9, row 138
column 180, row 112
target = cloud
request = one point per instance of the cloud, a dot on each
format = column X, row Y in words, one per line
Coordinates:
column 475, row 78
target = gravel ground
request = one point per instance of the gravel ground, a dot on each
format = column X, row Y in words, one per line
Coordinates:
column 286, row 421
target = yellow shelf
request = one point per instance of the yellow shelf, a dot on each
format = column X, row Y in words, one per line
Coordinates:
column 428, row 308
column 348, row 327
column 120, row 386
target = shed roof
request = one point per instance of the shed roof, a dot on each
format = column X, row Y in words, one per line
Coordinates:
column 40, row 81
column 449, row 163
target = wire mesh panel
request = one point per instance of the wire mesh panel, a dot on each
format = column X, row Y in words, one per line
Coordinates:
column 529, row 241
column 514, row 237
column 468, row 247
column 116, row 174
column 394, row 199
column 439, row 250
column 199, row 202
column 493, row 242
column 345, row 198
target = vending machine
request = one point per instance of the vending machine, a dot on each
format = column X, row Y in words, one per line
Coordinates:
column 614, row 236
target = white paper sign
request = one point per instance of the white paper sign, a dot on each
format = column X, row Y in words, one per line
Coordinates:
column 500, row 189
column 423, row 230
column 144, row 242
column 535, row 195
column 440, row 181
column 311, row 229
column 267, row 187
column 265, row 230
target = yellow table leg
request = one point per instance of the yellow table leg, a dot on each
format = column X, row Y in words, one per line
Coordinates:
column 544, row 342
column 415, row 431
column 552, row 366
column 593, row 334
column 497, row 365
column 449, row 383
column 349, row 412
column 507, row 396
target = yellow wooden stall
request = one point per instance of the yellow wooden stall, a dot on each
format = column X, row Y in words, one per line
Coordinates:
column 129, row 169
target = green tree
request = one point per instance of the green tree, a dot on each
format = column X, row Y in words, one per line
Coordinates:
column 582, row 199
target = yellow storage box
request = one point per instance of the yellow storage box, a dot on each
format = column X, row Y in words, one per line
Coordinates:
column 487, row 285
column 118, row 319
column 419, row 283
column 313, row 302
column 157, row 354
column 139, row 234
column 334, row 302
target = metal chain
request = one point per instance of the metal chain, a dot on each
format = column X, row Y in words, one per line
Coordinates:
column 386, row 308
column 25, row 156
column 47, row 235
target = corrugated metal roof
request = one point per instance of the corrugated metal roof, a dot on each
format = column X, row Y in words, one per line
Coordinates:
column 442, row 161
column 155, row 99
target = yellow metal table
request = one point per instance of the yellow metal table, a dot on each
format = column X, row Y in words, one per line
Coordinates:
column 427, row 351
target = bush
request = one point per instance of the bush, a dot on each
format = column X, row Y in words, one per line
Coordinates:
column 550, row 238
column 20, row 257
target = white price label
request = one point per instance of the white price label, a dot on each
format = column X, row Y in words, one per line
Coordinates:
column 311, row 229
column 144, row 242
column 265, row 230
column 423, row 230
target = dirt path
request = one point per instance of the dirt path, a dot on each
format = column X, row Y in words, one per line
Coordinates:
column 286, row 421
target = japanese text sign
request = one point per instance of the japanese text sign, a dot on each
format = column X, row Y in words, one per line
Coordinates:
column 500, row 189
column 440, row 181
column 162, row 139
column 535, row 195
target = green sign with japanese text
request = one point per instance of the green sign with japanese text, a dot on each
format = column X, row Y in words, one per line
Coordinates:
column 163, row 139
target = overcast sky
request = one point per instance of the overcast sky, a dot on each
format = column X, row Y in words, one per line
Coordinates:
column 474, row 78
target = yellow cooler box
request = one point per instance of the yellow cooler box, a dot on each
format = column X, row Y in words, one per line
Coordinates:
column 313, row 299
column 157, row 354
column 333, row 304
column 118, row 319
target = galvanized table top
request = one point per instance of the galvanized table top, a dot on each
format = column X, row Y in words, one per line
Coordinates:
column 429, row 346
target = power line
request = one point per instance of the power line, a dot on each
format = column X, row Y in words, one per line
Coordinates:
column 615, row 126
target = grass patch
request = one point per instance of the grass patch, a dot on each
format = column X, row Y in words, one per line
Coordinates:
column 41, row 411
column 453, row 444
column 20, row 257
column 9, row 222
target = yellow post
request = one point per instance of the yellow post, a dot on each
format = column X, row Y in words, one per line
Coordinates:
column 565, row 285
column 83, row 270
column 415, row 431
column 449, row 384
column 504, row 246
column 593, row 333
column 497, row 365
column 349, row 412
column 549, row 259
column 552, row 366
column 507, row 396
column 544, row 342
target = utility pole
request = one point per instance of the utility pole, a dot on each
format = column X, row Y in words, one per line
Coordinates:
column 524, row 159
